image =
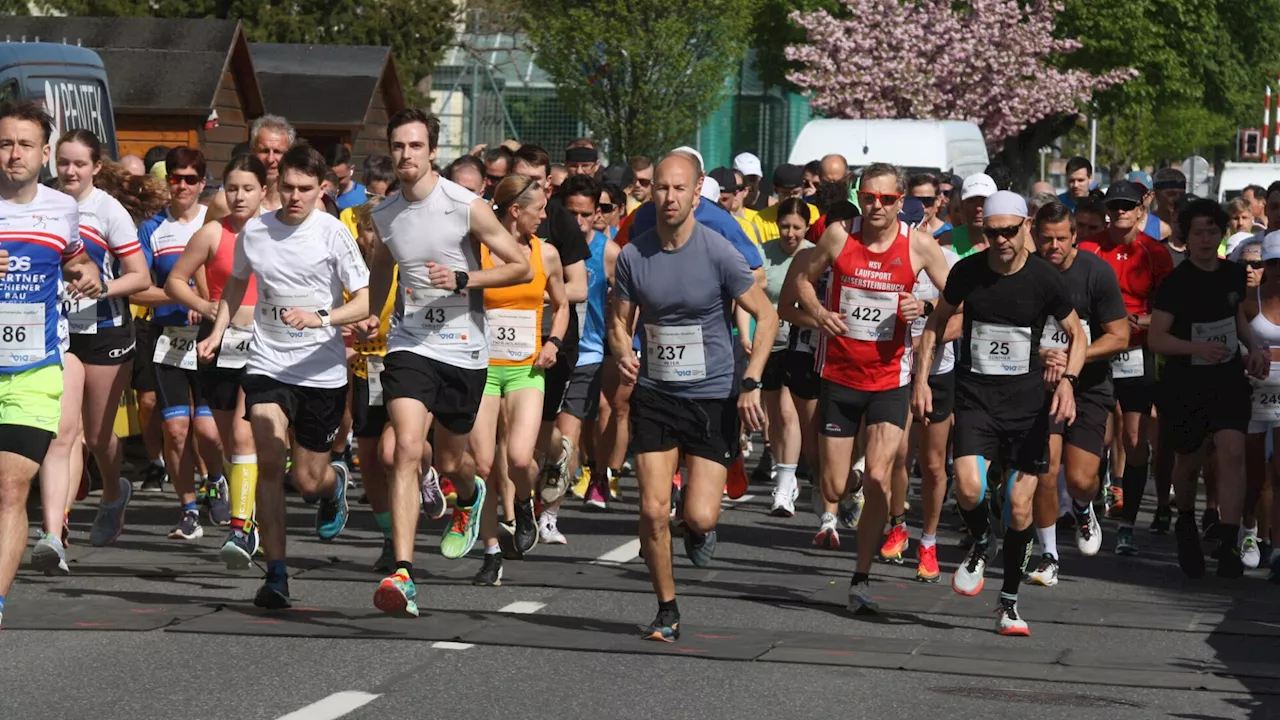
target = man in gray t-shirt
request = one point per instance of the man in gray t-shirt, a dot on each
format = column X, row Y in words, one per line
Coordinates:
column 682, row 280
column 686, row 310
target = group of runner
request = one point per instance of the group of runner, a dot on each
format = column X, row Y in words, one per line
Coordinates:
column 499, row 335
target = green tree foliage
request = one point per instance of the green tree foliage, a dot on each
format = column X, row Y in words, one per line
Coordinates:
column 640, row 74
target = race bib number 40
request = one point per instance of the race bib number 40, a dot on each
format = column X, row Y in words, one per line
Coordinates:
column 870, row 316
column 1128, row 364
column 1222, row 332
column 21, row 333
column 999, row 349
column 176, row 347
column 436, row 315
column 674, row 353
column 1055, row 338
column 234, row 353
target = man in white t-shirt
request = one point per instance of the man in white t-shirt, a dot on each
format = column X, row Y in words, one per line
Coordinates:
column 296, row 377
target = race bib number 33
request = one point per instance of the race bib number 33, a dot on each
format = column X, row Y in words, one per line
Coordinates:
column 674, row 353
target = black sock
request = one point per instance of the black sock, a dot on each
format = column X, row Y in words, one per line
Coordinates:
column 977, row 522
column 1017, row 544
column 1229, row 535
column 897, row 520
column 336, row 456
column 859, row 578
column 405, row 566
column 1134, row 484
column 471, row 499
column 669, row 607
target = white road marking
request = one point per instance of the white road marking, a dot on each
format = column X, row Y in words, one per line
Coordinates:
column 334, row 706
column 448, row 645
column 624, row 553
column 523, row 607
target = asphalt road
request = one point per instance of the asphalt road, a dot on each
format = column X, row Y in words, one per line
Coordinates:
column 155, row 628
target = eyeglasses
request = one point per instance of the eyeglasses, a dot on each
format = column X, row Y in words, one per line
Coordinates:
column 192, row 180
column 1122, row 205
column 886, row 199
column 495, row 179
column 606, row 208
column 1005, row 232
column 927, row 200
column 644, row 182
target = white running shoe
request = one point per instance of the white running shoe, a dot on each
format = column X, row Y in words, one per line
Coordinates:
column 1008, row 622
column 828, row 536
column 434, row 504
column 549, row 533
column 1046, row 573
column 784, row 498
column 1249, row 552
column 860, row 600
column 968, row 577
column 1088, row 532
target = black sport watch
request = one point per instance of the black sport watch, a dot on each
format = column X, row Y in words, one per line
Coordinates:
column 1071, row 379
column 749, row 384
column 928, row 308
column 461, row 279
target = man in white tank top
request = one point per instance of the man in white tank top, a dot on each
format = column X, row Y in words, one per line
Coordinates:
column 437, row 350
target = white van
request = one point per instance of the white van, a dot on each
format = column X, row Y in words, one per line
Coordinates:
column 918, row 145
column 1236, row 176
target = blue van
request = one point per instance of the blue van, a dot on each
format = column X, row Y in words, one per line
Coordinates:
column 70, row 81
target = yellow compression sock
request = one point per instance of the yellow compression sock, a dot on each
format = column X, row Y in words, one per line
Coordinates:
column 243, row 479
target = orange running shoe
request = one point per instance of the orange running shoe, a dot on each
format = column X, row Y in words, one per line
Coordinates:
column 448, row 490
column 895, row 543
column 736, row 486
column 927, row 569
column 1115, row 508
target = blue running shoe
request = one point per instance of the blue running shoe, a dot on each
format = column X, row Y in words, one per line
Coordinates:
column 238, row 550
column 664, row 628
column 274, row 594
column 699, row 548
column 331, row 516
column 108, row 524
column 397, row 595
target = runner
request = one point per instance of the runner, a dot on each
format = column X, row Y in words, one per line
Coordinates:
column 188, row 422
column 863, row 356
column 927, row 187
column 1003, row 410
column 437, row 351
column 39, row 246
column 96, row 368
column 968, row 239
column 213, row 248
column 1091, row 217
column 682, row 279
column 1262, row 308
column 513, row 392
column 788, row 182
column 1079, row 181
column 1198, row 324
column 270, row 137
column 1095, row 294
column 295, row 379
column 1140, row 264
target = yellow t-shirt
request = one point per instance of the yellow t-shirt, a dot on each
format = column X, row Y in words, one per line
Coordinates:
column 378, row 346
column 768, row 220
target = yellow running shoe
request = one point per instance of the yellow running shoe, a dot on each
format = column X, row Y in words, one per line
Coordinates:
column 579, row 489
column 615, row 492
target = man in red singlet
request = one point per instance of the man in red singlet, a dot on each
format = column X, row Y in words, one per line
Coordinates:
column 863, row 357
column 1141, row 263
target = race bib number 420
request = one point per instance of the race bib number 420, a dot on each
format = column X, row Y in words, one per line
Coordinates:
column 999, row 349
column 176, row 347
column 674, row 353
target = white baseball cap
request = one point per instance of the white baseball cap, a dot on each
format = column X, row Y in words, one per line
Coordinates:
column 748, row 164
column 711, row 189
column 1271, row 246
column 978, row 185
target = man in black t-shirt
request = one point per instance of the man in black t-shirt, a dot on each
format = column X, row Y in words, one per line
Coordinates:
column 1002, row 409
column 1095, row 295
column 1199, row 326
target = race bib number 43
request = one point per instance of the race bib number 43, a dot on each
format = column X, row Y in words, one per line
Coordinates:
column 674, row 353
column 436, row 315
column 999, row 349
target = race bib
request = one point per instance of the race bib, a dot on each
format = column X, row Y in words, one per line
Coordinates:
column 21, row 333
column 270, row 310
column 870, row 316
column 674, row 353
column 807, row 341
column 176, row 347
column 373, row 369
column 1221, row 331
column 999, row 349
column 1128, row 364
column 917, row 326
column 82, row 316
column 439, row 316
column 1055, row 338
column 513, row 334
column 235, row 348
column 1266, row 397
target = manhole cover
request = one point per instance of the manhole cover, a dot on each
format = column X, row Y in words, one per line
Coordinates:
column 1035, row 696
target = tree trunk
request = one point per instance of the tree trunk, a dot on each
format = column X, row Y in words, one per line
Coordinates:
column 1021, row 153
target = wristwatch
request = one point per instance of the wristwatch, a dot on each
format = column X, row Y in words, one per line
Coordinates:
column 461, row 279
column 556, row 341
column 749, row 384
column 1071, row 379
column 928, row 308
column 325, row 320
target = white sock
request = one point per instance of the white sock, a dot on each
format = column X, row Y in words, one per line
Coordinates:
column 784, row 472
column 928, row 541
column 549, row 513
column 1244, row 531
column 492, row 550
column 1048, row 539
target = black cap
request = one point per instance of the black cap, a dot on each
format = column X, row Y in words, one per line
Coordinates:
column 788, row 176
column 1124, row 190
column 727, row 178
column 581, row 155
column 619, row 174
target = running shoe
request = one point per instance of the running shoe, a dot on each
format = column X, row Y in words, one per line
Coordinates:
column 615, row 485
column 968, row 578
column 554, row 480
column 1046, row 573
column 450, row 493
column 784, row 498
column 526, row 527
column 490, row 574
column 927, row 566
column 1190, row 555
column 386, row 562
column 699, row 548
column 1250, row 554
column 331, row 515
column 238, row 550
column 828, row 537
column 1209, row 523
column 153, row 479
column 860, row 600
column 274, row 594
column 1230, row 563
column 397, row 595
column 464, row 526
column 596, row 498
column 549, row 533
column 851, row 509
column 202, row 490
column 49, row 556
column 1124, row 542
column 1162, row 521
column 857, row 471
column 108, row 524
column 1088, row 532
column 895, row 543
column 1008, row 622
column 434, row 504
column 1115, row 501
column 764, row 471
column 218, row 501
column 736, row 484
column 664, row 628
column 579, row 489
column 188, row 528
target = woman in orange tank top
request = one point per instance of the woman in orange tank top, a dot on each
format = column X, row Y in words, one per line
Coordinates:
column 518, row 358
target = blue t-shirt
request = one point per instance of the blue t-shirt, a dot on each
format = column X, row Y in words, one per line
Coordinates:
column 1153, row 226
column 710, row 215
column 163, row 239
column 591, row 341
column 356, row 196
column 1066, row 199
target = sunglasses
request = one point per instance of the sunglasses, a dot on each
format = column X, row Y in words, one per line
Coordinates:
column 1005, row 232
column 1258, row 264
column 495, row 179
column 606, row 208
column 886, row 199
column 191, row 180
column 1122, row 205
column 590, row 214
column 644, row 182
column 927, row 200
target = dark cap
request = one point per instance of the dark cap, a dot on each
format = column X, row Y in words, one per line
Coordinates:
column 727, row 178
column 912, row 212
column 619, row 174
column 788, row 176
column 1123, row 190
column 581, row 155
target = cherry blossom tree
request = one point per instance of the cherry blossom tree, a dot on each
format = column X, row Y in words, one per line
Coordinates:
column 986, row 61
